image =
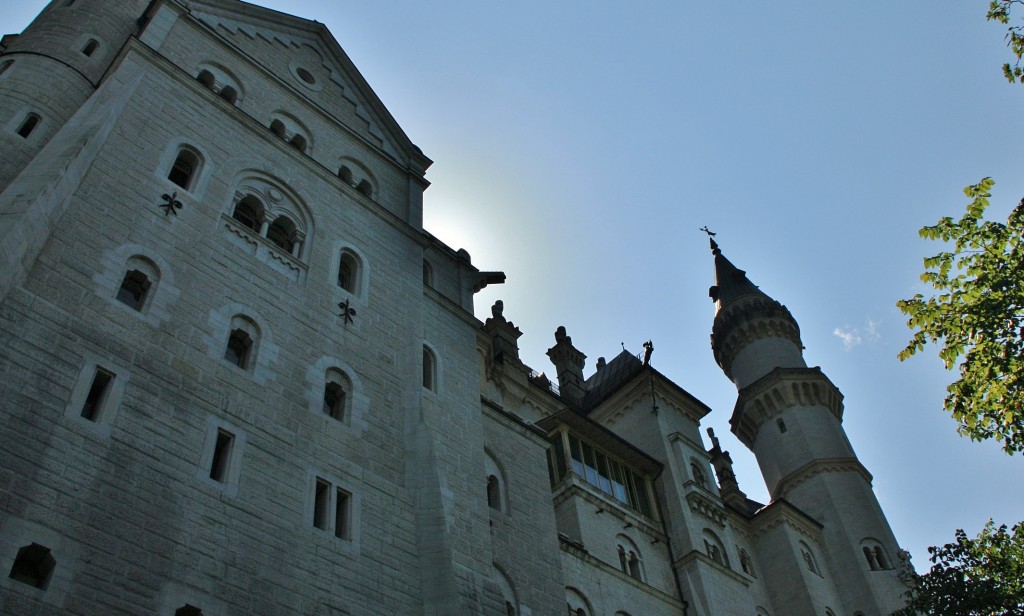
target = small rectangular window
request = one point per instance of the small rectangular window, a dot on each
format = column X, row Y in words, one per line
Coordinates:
column 92, row 408
column 220, row 464
column 341, row 507
column 28, row 125
column 321, row 503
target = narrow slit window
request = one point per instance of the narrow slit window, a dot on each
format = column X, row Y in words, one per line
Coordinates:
column 781, row 424
column 220, row 464
column 341, row 506
column 34, row 566
column 429, row 370
column 134, row 289
column 493, row 493
column 90, row 48
column 321, row 504
column 28, row 125
column 95, row 400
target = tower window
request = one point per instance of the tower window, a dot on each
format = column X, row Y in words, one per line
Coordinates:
column 334, row 401
column 28, row 125
column 365, row 188
column 229, row 94
column 34, row 566
column 493, row 492
column 348, row 271
column 90, row 48
column 429, row 370
column 134, row 289
column 322, row 503
column 220, row 464
column 206, row 78
column 95, row 400
column 345, row 174
column 184, row 169
column 282, row 233
column 238, row 348
column 249, row 212
column 781, row 424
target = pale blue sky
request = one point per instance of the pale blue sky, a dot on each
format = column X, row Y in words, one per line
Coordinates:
column 579, row 147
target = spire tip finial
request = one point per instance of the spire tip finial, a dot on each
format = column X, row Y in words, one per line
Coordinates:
column 711, row 238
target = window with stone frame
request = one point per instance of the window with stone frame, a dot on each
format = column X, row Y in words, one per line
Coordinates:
column 33, row 565
column 337, row 387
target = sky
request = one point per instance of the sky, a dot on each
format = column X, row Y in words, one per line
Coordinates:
column 579, row 146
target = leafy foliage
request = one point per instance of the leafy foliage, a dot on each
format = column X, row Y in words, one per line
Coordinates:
column 978, row 314
column 999, row 10
column 973, row 577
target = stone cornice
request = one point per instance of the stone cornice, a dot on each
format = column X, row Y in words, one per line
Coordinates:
column 817, row 467
column 705, row 505
column 744, row 322
column 783, row 512
column 781, row 389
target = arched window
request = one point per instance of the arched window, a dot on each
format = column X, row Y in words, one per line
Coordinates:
column 365, row 187
column 714, row 549
column 349, row 271
column 34, row 566
column 242, row 342
column 746, row 564
column 809, row 560
column 336, row 394
column 493, row 492
column 629, row 557
column 206, row 78
column 229, row 94
column 185, row 168
column 298, row 142
column 428, row 274
column 429, row 370
column 345, row 174
column 282, row 233
column 576, row 603
column 508, row 593
column 134, row 289
column 249, row 211
column 90, row 47
column 277, row 127
column 698, row 474
column 28, row 125
column 875, row 555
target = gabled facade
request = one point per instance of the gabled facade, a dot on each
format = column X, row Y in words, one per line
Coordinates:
column 239, row 377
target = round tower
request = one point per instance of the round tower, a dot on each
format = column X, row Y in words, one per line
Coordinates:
column 790, row 416
column 48, row 71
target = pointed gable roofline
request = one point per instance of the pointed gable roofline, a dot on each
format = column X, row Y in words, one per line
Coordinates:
column 283, row 23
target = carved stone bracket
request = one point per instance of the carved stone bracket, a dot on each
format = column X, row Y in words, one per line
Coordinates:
column 704, row 505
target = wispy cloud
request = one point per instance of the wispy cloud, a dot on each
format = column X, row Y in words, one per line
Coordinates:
column 855, row 336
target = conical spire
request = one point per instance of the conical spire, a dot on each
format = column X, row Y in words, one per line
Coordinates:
column 731, row 282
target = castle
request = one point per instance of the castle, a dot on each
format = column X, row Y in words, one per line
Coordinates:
column 239, row 377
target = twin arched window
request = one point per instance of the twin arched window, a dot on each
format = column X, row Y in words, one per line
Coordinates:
column 629, row 557
column 714, row 548
column 222, row 84
column 290, row 130
column 358, row 177
column 875, row 555
column 279, row 229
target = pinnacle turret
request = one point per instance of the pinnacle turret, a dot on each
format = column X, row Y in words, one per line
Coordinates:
column 752, row 334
